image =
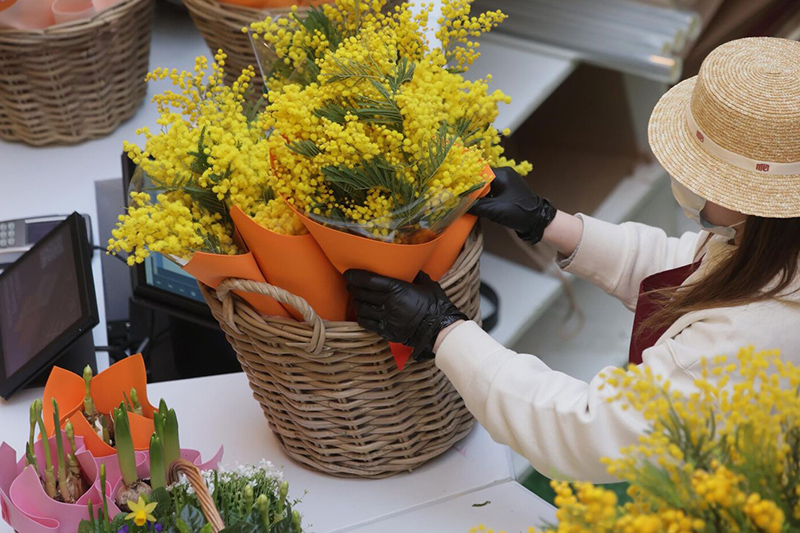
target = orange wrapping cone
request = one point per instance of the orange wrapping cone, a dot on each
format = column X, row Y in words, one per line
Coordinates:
column 297, row 264
column 107, row 392
column 213, row 269
column 346, row 251
column 448, row 247
column 401, row 261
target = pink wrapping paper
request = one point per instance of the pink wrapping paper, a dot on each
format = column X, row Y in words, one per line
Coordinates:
column 27, row 507
column 25, row 504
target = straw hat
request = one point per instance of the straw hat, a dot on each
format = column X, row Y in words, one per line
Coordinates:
column 732, row 133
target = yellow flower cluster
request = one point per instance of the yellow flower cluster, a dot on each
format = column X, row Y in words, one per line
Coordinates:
column 172, row 226
column 373, row 131
column 726, row 458
column 210, row 155
column 365, row 127
column 456, row 27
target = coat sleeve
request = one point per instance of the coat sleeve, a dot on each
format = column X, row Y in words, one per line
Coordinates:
column 562, row 425
column 617, row 257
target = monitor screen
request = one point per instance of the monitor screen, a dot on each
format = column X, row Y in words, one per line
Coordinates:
column 163, row 274
column 47, row 301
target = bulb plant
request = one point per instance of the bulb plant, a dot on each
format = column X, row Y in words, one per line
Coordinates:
column 62, row 478
column 100, row 423
column 133, row 487
column 165, row 449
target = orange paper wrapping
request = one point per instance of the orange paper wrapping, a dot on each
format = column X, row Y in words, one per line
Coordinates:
column 401, row 261
column 297, row 264
column 213, row 269
column 107, row 392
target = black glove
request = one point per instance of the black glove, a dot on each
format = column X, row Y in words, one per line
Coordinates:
column 408, row 313
column 512, row 204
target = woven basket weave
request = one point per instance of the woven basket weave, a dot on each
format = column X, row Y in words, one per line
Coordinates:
column 331, row 391
column 74, row 81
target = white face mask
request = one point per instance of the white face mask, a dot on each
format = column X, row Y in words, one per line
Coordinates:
column 693, row 204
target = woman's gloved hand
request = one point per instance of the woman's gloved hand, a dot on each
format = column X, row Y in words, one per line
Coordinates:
column 408, row 313
column 511, row 203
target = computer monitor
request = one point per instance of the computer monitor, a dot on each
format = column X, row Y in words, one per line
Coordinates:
column 161, row 284
column 48, row 307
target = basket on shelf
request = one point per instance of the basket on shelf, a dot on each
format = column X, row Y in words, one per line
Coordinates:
column 331, row 391
column 221, row 25
column 74, row 81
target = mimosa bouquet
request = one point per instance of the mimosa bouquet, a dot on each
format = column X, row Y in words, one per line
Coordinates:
column 366, row 152
column 373, row 131
column 726, row 458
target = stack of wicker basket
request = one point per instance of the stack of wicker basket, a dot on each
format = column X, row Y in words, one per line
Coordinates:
column 74, row 81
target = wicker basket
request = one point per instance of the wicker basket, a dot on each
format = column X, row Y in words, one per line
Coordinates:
column 331, row 391
column 75, row 81
column 221, row 26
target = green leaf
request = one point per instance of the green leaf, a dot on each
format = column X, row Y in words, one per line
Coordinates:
column 200, row 163
column 162, row 498
column 304, row 147
column 242, row 527
column 334, row 112
column 207, row 529
column 192, row 517
column 376, row 173
column 118, row 522
column 182, row 526
column 86, row 527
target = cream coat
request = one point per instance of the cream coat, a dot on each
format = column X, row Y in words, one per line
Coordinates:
column 562, row 425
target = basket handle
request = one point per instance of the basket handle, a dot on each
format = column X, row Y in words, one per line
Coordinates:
column 317, row 341
column 192, row 473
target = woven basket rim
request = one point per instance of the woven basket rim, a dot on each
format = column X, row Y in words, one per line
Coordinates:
column 74, row 27
column 226, row 287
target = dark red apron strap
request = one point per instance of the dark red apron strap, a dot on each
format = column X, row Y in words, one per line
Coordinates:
column 645, row 307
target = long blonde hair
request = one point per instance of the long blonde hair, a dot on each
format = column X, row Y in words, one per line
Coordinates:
column 770, row 250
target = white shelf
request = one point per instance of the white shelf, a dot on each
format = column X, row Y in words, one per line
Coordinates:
column 526, row 71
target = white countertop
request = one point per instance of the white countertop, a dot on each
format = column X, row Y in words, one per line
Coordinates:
column 221, row 410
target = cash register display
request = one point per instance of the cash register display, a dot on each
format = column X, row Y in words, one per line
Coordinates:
column 46, row 302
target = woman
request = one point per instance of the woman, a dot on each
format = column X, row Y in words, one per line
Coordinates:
column 730, row 139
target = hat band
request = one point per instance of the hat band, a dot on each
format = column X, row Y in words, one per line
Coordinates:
column 737, row 160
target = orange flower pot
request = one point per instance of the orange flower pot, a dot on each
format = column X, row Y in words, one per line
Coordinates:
column 108, row 391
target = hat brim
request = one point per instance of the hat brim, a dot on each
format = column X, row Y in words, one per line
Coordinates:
column 748, row 192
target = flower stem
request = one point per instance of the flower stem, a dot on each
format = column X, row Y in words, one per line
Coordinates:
column 158, row 476
column 49, row 474
column 63, row 487
column 29, row 449
column 103, row 491
column 136, row 406
column 72, row 461
column 171, row 439
column 88, row 403
column 124, row 443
